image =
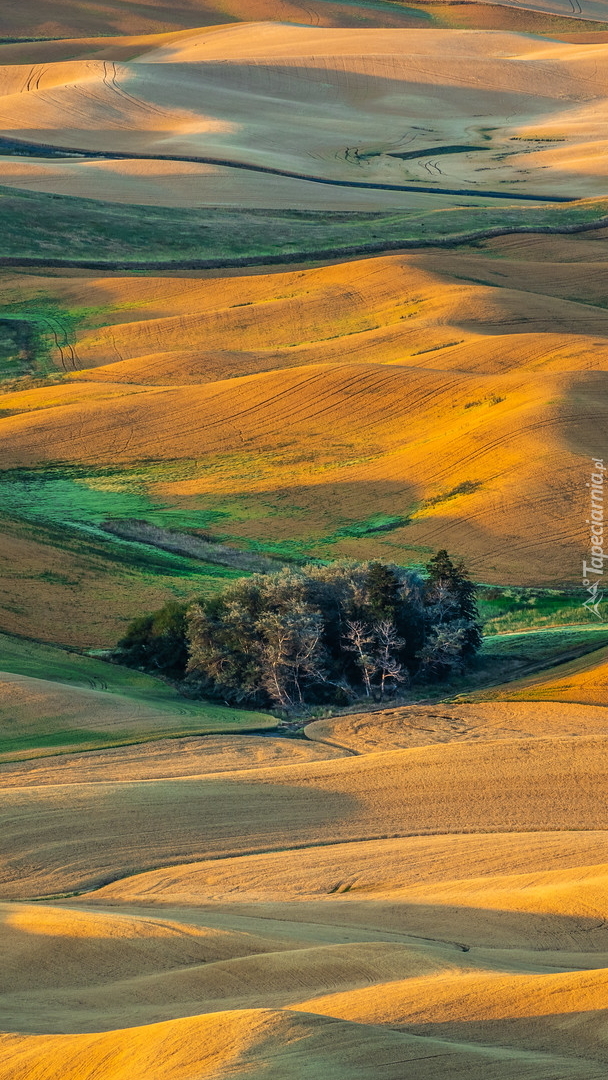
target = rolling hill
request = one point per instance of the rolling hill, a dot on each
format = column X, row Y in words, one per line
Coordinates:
column 461, row 394
column 212, row 111
column 290, row 282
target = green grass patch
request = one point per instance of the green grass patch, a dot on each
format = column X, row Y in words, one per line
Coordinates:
column 507, row 610
column 21, row 656
column 466, row 488
column 51, row 742
column 48, row 743
column 77, row 495
column 34, row 729
column 102, row 580
column 37, row 335
column 377, row 523
column 546, row 646
column 76, row 500
column 58, row 227
column 106, row 579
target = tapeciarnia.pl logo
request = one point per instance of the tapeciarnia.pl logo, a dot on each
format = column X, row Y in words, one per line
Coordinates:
column 593, row 571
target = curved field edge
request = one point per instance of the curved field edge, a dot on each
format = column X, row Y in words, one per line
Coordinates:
column 581, row 680
column 100, row 834
column 72, row 231
column 264, row 1042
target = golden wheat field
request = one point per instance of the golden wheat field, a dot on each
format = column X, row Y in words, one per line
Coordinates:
column 280, row 400
column 302, row 281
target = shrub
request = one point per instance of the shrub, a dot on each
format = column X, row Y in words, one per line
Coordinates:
column 157, row 643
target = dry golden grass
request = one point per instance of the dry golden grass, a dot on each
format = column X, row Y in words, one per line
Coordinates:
column 71, row 19
column 358, row 875
column 48, row 50
column 518, row 1011
column 185, row 184
column 100, row 948
column 270, row 1045
column 54, row 590
column 158, row 968
column 442, row 903
column 163, row 758
column 441, row 1000
column 387, row 438
column 380, row 927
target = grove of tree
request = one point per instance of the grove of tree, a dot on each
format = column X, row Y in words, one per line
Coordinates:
column 319, row 634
